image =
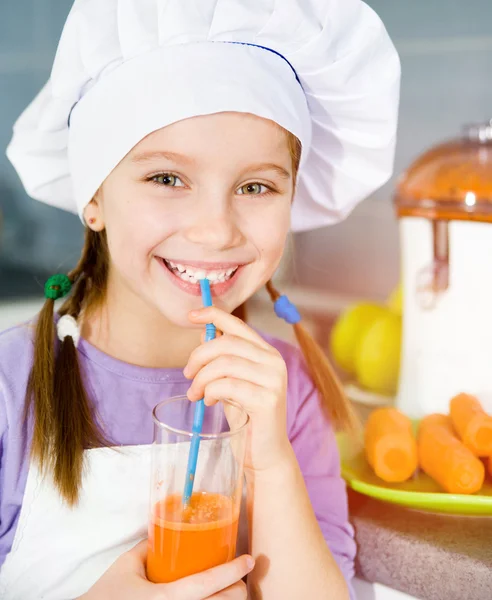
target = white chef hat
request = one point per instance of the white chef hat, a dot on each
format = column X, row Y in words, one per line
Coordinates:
column 324, row 70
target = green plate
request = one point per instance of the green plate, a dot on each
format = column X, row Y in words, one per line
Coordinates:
column 420, row 493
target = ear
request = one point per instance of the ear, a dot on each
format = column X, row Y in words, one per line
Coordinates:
column 93, row 213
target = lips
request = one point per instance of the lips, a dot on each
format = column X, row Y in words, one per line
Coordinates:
column 186, row 276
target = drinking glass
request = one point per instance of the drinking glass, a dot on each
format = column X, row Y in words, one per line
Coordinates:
column 184, row 540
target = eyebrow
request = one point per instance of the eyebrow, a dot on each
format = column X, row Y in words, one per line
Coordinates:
column 270, row 167
column 156, row 154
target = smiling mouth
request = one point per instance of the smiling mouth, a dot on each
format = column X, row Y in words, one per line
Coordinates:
column 193, row 275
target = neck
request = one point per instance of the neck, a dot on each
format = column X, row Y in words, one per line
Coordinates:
column 131, row 331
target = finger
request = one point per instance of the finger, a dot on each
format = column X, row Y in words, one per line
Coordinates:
column 238, row 591
column 227, row 323
column 218, row 334
column 208, row 583
column 231, row 345
column 250, row 396
column 236, row 368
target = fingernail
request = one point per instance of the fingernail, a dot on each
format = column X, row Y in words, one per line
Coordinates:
column 250, row 561
column 193, row 313
column 186, row 371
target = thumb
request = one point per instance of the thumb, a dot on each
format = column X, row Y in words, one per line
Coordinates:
column 208, row 583
column 140, row 551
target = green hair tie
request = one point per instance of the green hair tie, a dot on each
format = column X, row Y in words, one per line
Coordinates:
column 57, row 286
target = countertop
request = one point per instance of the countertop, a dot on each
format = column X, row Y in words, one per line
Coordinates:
column 428, row 556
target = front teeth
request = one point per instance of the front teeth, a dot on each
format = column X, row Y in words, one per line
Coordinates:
column 192, row 275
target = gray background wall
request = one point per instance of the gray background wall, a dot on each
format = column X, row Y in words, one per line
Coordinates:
column 446, row 53
column 34, row 237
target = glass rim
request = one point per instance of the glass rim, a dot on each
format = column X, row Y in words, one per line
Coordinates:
column 190, row 434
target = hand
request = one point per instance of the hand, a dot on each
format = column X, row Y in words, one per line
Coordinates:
column 126, row 580
column 241, row 366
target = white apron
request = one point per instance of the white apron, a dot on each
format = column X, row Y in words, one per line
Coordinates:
column 58, row 553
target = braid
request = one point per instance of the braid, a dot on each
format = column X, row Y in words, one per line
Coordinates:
column 64, row 424
column 272, row 292
column 324, row 377
column 89, row 276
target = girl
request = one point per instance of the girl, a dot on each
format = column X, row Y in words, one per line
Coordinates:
column 182, row 133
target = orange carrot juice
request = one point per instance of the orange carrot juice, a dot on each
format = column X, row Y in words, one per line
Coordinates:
column 184, row 541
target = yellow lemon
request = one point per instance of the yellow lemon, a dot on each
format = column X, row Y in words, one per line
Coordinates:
column 377, row 356
column 395, row 300
column 349, row 328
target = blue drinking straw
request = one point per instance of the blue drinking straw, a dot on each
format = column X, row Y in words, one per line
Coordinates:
column 200, row 406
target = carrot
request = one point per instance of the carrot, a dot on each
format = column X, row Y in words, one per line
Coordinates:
column 446, row 459
column 472, row 424
column 390, row 446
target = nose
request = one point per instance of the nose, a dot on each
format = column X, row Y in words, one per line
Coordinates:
column 215, row 227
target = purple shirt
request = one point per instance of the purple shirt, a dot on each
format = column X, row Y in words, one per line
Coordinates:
column 124, row 396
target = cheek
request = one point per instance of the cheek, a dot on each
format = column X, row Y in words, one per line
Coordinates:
column 126, row 249
column 135, row 228
column 270, row 240
column 272, row 251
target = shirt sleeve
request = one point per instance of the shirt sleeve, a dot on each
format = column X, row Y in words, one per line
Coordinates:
column 3, row 444
column 14, row 446
column 313, row 440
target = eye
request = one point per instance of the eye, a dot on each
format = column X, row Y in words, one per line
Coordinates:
column 167, row 179
column 253, row 189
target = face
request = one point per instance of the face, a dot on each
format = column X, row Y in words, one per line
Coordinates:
column 207, row 197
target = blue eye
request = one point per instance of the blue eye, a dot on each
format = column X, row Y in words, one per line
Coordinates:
column 168, row 180
column 253, row 189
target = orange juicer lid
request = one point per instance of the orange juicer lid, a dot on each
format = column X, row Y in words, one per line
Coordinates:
column 451, row 181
